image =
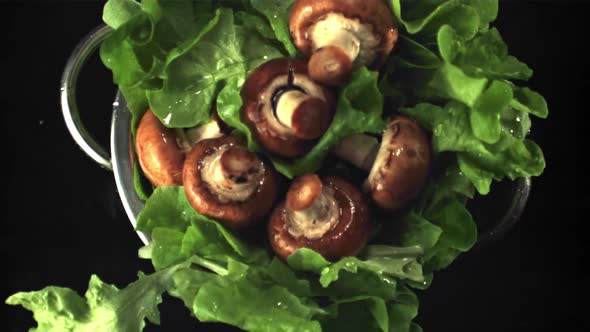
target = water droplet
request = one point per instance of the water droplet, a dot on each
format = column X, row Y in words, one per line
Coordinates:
column 115, row 104
column 168, row 117
column 41, row 122
column 517, row 119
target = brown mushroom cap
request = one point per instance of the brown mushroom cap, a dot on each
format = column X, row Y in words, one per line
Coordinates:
column 263, row 91
column 346, row 238
column 402, row 165
column 202, row 194
column 305, row 13
column 160, row 157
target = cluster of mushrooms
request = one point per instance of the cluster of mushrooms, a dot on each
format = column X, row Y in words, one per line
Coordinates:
column 289, row 104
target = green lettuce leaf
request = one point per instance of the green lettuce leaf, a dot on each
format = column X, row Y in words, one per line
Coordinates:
column 246, row 299
column 223, row 51
column 403, row 310
column 512, row 156
column 277, row 13
column 118, row 12
column 439, row 221
column 361, row 313
column 104, row 307
column 179, row 232
column 374, row 273
column 486, row 55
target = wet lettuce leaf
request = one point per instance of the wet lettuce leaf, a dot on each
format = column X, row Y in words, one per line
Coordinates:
column 196, row 72
column 179, row 232
column 460, row 91
column 512, row 156
column 103, row 308
column 291, row 293
column 451, row 71
column 439, row 221
column 486, row 55
column 277, row 13
column 182, row 53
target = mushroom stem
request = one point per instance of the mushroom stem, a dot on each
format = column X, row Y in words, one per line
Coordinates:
column 212, row 129
column 288, row 104
column 398, row 168
column 311, row 208
column 187, row 138
column 232, row 173
column 360, row 150
column 305, row 115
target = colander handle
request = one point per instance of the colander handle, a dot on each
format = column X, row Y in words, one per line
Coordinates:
column 69, row 106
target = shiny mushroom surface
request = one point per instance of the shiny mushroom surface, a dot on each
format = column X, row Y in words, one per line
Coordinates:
column 160, row 156
column 161, row 150
column 339, row 35
column 285, row 109
column 398, row 167
column 225, row 181
column 327, row 215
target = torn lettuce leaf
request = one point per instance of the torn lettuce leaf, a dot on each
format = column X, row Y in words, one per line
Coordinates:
column 103, row 308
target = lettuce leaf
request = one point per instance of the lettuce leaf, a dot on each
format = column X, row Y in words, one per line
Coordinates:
column 182, row 53
column 512, row 156
column 223, row 51
column 290, row 299
column 179, row 232
column 103, row 308
column 450, row 71
column 277, row 13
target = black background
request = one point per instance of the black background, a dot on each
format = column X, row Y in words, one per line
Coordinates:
column 61, row 219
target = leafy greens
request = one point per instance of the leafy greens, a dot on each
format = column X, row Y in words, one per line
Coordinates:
column 450, row 70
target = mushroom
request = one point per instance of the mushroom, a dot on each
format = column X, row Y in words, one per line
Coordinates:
column 398, row 168
column 225, row 181
column 329, row 216
column 340, row 35
column 161, row 150
column 284, row 108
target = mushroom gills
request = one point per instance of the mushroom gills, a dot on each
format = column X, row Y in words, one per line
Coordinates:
column 317, row 219
column 356, row 39
column 232, row 173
